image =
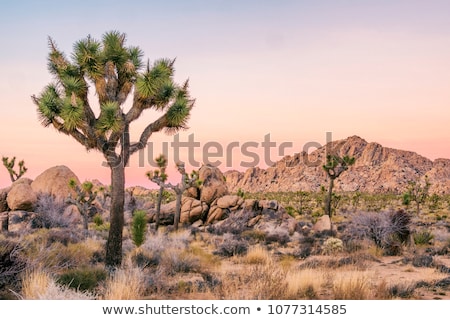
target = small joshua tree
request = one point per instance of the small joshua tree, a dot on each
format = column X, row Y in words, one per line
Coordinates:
column 159, row 177
column 417, row 192
column 9, row 165
column 84, row 199
column 187, row 181
column 334, row 167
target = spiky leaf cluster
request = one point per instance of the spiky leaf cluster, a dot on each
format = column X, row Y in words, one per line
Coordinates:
column 114, row 70
column 336, row 165
column 9, row 165
column 85, row 196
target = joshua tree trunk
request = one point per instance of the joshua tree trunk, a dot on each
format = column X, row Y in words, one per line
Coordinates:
column 328, row 208
column 114, row 243
column 158, row 206
column 178, row 209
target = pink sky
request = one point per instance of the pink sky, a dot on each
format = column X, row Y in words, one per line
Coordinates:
column 295, row 71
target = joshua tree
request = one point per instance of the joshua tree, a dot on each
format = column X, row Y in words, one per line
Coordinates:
column 84, row 199
column 187, row 181
column 9, row 165
column 159, row 177
column 334, row 167
column 418, row 192
column 115, row 71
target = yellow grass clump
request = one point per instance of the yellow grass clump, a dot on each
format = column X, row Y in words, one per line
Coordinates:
column 305, row 283
column 125, row 284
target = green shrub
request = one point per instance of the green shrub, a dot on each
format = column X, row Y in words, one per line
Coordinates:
column 98, row 220
column 423, row 237
column 291, row 211
column 138, row 227
column 83, row 279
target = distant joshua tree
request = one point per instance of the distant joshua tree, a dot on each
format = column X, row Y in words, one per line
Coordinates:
column 83, row 200
column 159, row 177
column 334, row 167
column 9, row 165
column 115, row 71
column 187, row 180
column 417, row 192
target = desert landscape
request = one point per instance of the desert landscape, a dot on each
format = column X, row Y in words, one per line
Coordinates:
column 260, row 234
column 216, row 150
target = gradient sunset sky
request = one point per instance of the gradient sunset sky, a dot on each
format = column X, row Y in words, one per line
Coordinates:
column 292, row 69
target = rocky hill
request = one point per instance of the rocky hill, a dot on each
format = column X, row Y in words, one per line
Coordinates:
column 377, row 169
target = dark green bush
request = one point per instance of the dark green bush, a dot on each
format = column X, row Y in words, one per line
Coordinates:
column 84, row 279
column 138, row 227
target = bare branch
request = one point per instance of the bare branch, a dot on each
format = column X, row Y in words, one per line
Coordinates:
column 155, row 126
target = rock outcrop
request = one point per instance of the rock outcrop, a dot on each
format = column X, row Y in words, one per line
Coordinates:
column 55, row 181
column 21, row 197
column 213, row 185
column 377, row 169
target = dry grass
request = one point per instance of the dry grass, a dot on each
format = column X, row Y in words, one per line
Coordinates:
column 34, row 283
column 39, row 285
column 305, row 283
column 257, row 255
column 125, row 284
column 351, row 285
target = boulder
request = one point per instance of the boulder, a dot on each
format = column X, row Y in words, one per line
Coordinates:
column 22, row 180
column 193, row 192
column 213, row 184
column 192, row 210
column 324, row 223
column 55, row 181
column 3, row 202
column 269, row 204
column 229, row 201
column 167, row 214
column 73, row 215
column 20, row 220
column 21, row 197
column 215, row 214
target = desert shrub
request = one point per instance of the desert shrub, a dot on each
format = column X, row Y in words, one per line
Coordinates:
column 254, row 234
column 125, row 284
column 38, row 250
column 422, row 260
column 257, row 282
column 145, row 259
column 83, row 279
column 304, row 283
column 231, row 246
column 424, row 237
column 64, row 236
column 11, row 263
column 50, row 213
column 138, row 227
column 257, row 254
column 40, row 285
column 179, row 261
column 277, row 235
column 383, row 228
column 351, row 285
column 266, row 282
column 332, row 246
column 401, row 290
column 236, row 223
column 98, row 220
column 291, row 211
